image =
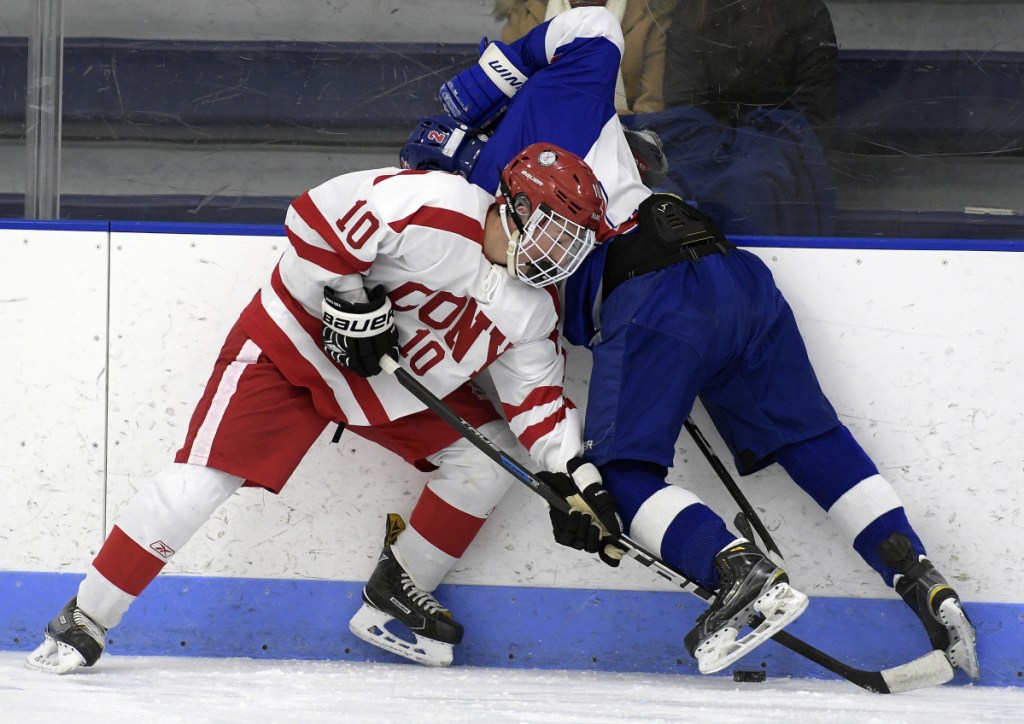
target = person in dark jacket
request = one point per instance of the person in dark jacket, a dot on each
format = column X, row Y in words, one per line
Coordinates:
column 730, row 57
column 749, row 93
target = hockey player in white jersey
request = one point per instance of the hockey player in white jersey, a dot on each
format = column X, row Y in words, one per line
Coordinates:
column 433, row 271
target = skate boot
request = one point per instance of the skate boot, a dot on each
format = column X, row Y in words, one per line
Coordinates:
column 73, row 640
column 751, row 586
column 935, row 603
column 390, row 595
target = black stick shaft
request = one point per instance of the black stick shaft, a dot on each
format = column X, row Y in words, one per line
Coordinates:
column 488, row 448
column 732, row 487
column 870, row 680
column 477, row 438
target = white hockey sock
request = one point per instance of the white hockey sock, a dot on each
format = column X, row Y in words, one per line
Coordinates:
column 461, row 495
column 161, row 517
column 104, row 602
column 657, row 513
column 425, row 563
column 859, row 506
column 178, row 500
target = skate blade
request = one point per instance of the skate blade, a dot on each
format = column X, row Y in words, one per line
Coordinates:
column 780, row 606
column 369, row 625
column 52, row 657
column 962, row 653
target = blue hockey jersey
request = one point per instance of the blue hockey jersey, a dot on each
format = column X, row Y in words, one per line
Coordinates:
column 569, row 100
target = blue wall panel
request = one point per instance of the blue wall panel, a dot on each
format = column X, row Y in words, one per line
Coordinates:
column 506, row 627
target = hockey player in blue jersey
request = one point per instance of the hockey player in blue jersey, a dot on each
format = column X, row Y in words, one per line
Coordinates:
column 668, row 299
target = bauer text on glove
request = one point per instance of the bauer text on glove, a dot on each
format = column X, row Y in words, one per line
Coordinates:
column 357, row 335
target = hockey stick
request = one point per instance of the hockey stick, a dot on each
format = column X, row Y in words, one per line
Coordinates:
column 931, row 669
column 749, row 516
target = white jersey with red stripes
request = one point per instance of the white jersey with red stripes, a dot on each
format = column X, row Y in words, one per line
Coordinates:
column 420, row 235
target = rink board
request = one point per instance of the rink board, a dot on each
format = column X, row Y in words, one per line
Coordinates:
column 917, row 344
column 506, row 627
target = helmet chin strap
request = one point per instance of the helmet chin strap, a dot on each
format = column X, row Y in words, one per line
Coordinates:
column 513, row 240
column 504, row 210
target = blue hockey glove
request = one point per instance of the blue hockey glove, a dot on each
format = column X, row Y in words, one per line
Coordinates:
column 593, row 519
column 358, row 335
column 440, row 143
column 477, row 95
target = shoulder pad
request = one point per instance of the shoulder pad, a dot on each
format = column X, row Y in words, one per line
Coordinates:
column 667, row 219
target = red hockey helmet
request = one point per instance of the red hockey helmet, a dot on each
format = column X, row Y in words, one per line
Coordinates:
column 556, row 204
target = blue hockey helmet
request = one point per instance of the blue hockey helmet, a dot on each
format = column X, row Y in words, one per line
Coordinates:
column 440, row 143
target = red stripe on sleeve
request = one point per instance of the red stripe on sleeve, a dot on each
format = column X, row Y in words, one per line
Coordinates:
column 308, row 212
column 535, row 432
column 311, row 324
column 443, row 525
column 406, row 172
column 537, row 398
column 323, row 258
column 448, row 220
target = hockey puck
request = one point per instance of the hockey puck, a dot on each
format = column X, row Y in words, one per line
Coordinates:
column 752, row 676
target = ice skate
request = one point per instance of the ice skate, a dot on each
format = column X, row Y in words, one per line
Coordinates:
column 73, row 640
column 935, row 603
column 389, row 596
column 751, row 586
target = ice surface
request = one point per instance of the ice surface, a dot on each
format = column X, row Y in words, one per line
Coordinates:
column 158, row 690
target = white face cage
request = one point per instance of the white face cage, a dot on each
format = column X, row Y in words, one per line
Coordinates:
column 549, row 248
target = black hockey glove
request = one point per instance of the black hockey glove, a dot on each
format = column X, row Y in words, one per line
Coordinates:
column 593, row 518
column 649, row 155
column 358, row 335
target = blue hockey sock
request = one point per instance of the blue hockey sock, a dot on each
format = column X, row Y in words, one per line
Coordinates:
column 667, row 519
column 895, row 521
column 834, row 470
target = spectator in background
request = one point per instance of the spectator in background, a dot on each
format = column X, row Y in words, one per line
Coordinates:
column 750, row 88
column 644, row 25
column 730, row 58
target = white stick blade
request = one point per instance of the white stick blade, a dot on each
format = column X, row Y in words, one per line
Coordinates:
column 931, row 669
